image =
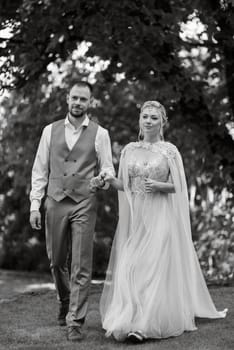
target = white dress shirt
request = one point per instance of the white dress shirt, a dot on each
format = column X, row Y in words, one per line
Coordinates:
column 40, row 171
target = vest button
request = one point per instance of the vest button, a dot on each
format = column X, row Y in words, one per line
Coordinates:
column 73, row 174
column 65, row 174
column 74, row 160
column 66, row 160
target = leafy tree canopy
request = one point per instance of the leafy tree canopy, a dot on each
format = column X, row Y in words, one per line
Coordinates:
column 141, row 40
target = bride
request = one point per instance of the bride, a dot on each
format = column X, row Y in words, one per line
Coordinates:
column 154, row 286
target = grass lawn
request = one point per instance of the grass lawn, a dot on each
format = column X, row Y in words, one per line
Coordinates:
column 29, row 322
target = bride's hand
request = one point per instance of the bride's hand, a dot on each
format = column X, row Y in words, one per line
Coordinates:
column 106, row 177
column 109, row 178
column 150, row 185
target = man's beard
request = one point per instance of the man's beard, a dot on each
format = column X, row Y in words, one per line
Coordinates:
column 79, row 114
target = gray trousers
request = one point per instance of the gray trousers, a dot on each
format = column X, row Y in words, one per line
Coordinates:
column 69, row 228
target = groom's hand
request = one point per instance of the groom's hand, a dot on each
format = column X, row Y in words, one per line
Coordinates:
column 35, row 220
column 96, row 182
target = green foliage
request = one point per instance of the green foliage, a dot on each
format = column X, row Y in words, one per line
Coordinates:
column 215, row 247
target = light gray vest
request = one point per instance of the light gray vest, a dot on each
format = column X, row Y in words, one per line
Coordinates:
column 71, row 171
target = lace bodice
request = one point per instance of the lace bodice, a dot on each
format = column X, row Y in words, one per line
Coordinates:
column 148, row 161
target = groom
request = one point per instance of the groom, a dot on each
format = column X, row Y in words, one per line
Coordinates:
column 69, row 152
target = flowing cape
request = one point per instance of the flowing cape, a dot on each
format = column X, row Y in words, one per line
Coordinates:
column 190, row 280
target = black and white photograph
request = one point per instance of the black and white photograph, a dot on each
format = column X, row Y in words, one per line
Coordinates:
column 116, row 174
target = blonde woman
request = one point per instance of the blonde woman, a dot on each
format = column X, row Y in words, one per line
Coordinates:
column 154, row 286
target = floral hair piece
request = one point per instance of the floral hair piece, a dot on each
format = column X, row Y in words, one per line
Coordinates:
column 158, row 105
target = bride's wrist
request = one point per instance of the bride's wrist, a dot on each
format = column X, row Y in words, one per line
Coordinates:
column 112, row 180
column 109, row 179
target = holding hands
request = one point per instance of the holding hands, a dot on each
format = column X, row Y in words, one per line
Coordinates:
column 106, row 177
column 150, row 185
column 96, row 182
column 100, row 180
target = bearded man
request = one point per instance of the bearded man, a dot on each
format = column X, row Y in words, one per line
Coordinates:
column 68, row 156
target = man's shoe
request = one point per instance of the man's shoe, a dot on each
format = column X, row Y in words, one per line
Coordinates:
column 63, row 310
column 74, row 333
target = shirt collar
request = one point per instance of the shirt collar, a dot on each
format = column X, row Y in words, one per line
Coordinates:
column 85, row 122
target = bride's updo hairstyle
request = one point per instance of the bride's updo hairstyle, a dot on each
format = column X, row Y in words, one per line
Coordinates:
column 163, row 114
column 157, row 105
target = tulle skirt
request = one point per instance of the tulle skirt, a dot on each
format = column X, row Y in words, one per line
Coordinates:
column 149, row 286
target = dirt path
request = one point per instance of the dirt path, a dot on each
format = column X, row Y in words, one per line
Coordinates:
column 13, row 283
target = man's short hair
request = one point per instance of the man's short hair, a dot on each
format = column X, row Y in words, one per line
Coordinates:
column 82, row 84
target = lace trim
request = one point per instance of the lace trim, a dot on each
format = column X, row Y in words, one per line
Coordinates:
column 166, row 148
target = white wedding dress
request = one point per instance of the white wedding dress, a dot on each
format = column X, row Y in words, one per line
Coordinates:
column 154, row 282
